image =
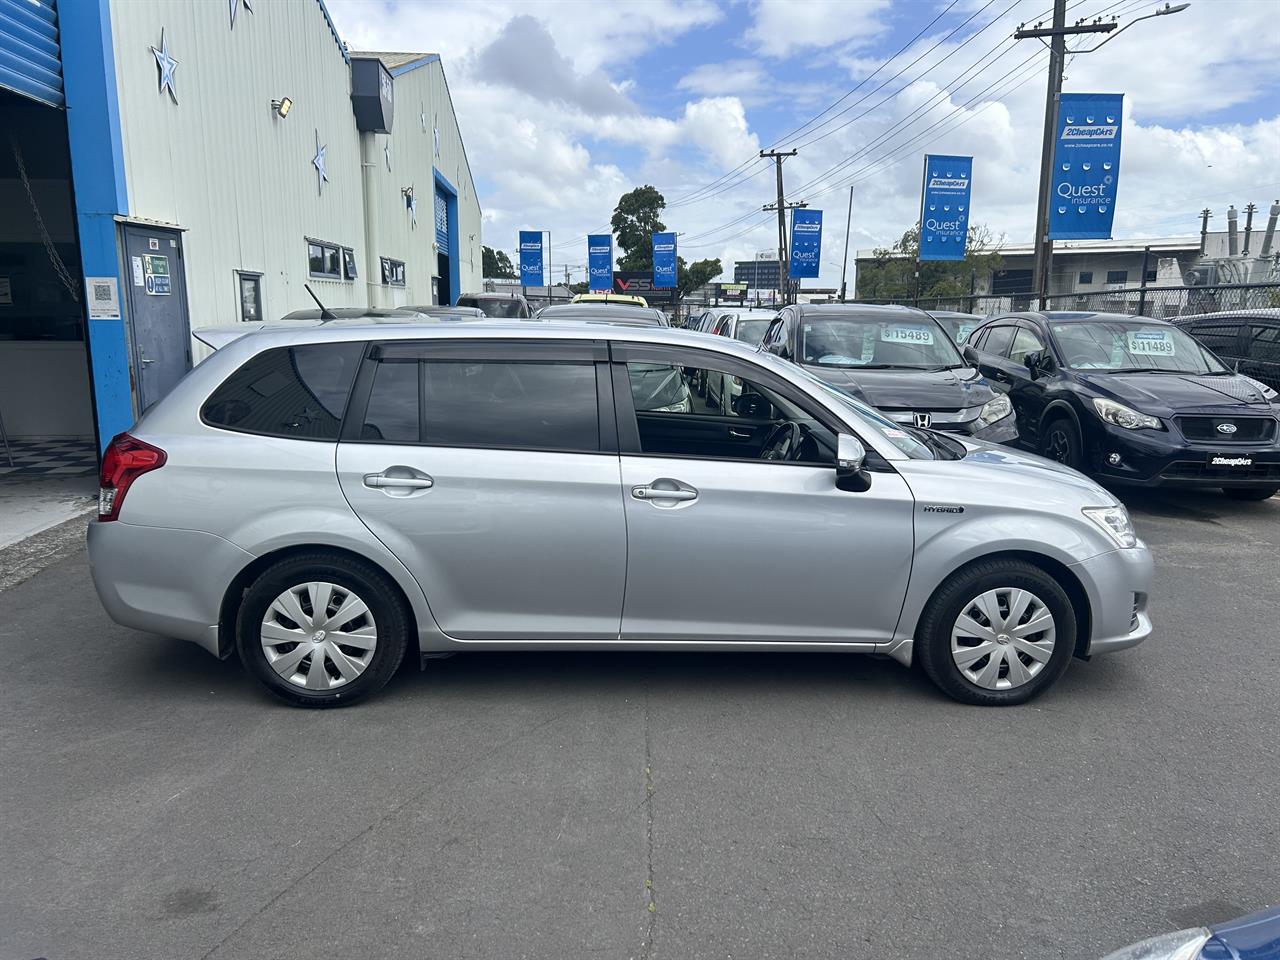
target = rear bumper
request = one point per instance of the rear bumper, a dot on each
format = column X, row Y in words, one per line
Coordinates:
column 163, row 580
column 1118, row 584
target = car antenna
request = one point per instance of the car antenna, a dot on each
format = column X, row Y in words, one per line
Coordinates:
column 325, row 313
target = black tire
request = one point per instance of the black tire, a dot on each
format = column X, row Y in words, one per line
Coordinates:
column 1060, row 441
column 1250, row 493
column 933, row 633
column 386, row 606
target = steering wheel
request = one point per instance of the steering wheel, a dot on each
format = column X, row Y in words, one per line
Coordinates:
column 783, row 442
column 1084, row 359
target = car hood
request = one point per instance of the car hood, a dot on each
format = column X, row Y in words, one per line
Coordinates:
column 1169, row 392
column 910, row 389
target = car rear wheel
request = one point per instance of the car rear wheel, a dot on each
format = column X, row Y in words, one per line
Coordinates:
column 1061, row 442
column 997, row 633
column 1250, row 493
column 322, row 630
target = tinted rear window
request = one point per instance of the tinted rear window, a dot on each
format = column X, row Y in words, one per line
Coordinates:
column 298, row 392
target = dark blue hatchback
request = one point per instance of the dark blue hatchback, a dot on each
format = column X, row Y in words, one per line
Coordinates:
column 1132, row 400
column 1255, row 937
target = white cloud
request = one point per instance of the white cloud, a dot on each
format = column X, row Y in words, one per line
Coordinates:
column 783, row 27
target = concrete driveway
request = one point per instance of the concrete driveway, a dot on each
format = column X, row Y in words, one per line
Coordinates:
column 156, row 804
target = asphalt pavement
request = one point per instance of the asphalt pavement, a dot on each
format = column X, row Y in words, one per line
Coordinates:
column 154, row 803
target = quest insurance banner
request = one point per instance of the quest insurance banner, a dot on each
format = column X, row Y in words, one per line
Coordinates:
column 600, row 262
column 806, row 243
column 664, row 261
column 944, row 207
column 531, row 258
column 1086, row 166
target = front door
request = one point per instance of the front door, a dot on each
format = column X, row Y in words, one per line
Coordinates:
column 159, row 327
column 735, row 527
column 483, row 467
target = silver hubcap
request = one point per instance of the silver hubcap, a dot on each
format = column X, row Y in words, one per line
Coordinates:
column 1002, row 638
column 319, row 635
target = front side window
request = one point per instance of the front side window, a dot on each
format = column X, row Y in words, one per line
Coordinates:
column 298, row 392
column 997, row 340
column 909, row 343
column 1024, row 342
column 1218, row 337
column 1127, row 346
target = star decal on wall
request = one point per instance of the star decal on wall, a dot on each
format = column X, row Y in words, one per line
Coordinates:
column 422, row 117
column 413, row 212
column 386, row 152
column 435, row 133
column 235, row 5
column 322, row 176
column 166, row 65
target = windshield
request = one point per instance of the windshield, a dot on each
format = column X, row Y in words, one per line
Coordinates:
column 915, row 344
column 499, row 307
column 959, row 327
column 1121, row 345
column 751, row 331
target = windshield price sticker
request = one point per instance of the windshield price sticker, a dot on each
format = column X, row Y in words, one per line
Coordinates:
column 897, row 334
column 1155, row 342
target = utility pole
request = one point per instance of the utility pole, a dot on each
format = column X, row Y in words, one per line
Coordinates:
column 1058, row 34
column 847, row 223
column 781, row 206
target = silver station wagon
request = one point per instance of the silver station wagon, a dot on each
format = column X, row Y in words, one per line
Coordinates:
column 323, row 501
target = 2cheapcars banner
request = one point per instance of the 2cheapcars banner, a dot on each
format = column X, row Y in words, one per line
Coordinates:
column 806, row 243
column 600, row 262
column 1086, row 166
column 531, row 258
column 664, row 261
column 944, row 207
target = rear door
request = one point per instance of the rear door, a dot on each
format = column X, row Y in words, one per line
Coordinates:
column 780, row 553
column 1026, row 393
column 490, row 469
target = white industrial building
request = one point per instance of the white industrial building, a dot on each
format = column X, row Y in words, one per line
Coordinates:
column 199, row 164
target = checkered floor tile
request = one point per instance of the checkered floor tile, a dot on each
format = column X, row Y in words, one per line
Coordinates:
column 54, row 457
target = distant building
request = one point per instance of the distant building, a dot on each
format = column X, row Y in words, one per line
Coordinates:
column 757, row 274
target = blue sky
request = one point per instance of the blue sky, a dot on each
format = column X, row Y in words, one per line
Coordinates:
column 566, row 105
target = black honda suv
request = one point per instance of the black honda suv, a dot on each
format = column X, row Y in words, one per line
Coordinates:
column 1132, row 400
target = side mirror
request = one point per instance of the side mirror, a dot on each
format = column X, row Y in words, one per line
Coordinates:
column 970, row 355
column 851, row 459
column 750, row 406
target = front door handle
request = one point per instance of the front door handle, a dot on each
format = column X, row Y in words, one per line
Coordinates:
column 740, row 434
column 665, row 493
column 377, row 480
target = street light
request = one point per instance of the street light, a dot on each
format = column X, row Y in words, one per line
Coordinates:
column 1162, row 12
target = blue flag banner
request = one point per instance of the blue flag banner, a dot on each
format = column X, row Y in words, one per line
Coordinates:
column 806, row 243
column 944, row 207
column 664, row 261
column 600, row 261
column 531, row 258
column 1086, row 166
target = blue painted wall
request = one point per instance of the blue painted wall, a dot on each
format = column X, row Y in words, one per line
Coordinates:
column 97, row 173
column 451, row 203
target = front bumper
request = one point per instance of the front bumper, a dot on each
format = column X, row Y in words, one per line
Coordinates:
column 1004, row 430
column 1151, row 458
column 163, row 580
column 1117, row 584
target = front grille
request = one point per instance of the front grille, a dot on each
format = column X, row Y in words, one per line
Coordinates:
column 1248, row 429
column 1201, row 470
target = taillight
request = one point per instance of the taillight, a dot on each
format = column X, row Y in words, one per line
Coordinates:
column 126, row 459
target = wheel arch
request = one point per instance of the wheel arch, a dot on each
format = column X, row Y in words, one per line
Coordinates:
column 229, row 608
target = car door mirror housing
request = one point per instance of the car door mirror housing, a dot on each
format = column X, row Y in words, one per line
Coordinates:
column 851, row 463
column 750, row 406
column 970, row 355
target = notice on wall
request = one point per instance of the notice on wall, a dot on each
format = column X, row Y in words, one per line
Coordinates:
column 6, row 291
column 137, row 271
column 155, row 275
column 104, row 298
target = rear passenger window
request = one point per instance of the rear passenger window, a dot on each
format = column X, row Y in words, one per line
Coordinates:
column 1219, row 337
column 392, row 413
column 298, row 392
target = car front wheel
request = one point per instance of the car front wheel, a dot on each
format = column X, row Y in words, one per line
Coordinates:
column 322, row 630
column 1061, row 442
column 1250, row 493
column 997, row 633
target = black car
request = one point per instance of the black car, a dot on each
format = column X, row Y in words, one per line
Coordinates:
column 897, row 359
column 1247, row 340
column 1132, row 400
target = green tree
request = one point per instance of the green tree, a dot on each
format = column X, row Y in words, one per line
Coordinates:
column 496, row 265
column 692, row 277
column 891, row 276
column 635, row 221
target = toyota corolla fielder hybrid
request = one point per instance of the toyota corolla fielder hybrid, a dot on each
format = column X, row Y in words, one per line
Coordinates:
column 897, row 359
column 321, row 501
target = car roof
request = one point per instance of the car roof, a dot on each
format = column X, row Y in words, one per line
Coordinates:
column 494, row 295
column 886, row 311
column 1075, row 316
column 1259, row 313
column 349, row 313
column 956, row 315
column 601, row 311
column 438, row 310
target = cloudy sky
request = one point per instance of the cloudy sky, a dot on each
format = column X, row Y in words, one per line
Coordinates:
column 564, row 106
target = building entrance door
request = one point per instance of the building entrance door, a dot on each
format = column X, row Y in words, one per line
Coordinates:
column 159, row 325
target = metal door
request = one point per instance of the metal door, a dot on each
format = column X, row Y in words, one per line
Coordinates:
column 159, row 326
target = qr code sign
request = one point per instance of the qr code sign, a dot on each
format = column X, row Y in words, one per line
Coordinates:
column 102, row 292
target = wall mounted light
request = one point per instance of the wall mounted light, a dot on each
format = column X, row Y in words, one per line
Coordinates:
column 407, row 193
column 282, row 107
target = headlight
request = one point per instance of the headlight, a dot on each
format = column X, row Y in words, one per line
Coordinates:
column 1122, row 416
column 682, row 406
column 994, row 410
column 1267, row 392
column 1183, row 945
column 1114, row 521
